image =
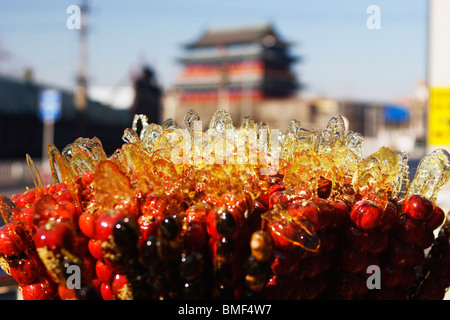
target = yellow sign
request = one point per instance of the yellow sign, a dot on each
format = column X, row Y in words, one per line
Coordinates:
column 439, row 116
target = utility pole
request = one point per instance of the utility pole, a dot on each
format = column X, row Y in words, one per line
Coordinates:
column 81, row 88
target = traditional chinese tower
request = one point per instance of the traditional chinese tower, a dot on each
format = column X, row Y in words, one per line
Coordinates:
column 236, row 68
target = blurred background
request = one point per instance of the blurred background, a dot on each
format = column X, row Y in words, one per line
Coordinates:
column 74, row 68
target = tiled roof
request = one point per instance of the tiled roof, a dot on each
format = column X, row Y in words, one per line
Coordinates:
column 236, row 36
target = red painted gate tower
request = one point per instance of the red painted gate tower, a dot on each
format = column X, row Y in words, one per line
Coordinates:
column 235, row 68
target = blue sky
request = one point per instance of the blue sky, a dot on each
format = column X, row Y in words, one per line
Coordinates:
column 341, row 57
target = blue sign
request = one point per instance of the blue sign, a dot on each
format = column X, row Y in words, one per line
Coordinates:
column 50, row 105
column 395, row 114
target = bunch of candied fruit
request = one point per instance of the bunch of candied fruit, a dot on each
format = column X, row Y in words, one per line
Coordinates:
column 229, row 213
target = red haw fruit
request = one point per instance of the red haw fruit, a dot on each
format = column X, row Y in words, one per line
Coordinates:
column 437, row 218
column 418, row 208
column 13, row 239
column 53, row 235
column 366, row 214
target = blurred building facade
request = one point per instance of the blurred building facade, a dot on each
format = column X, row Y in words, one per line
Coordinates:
column 235, row 69
column 248, row 72
column 21, row 129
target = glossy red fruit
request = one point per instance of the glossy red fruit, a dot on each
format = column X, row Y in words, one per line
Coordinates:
column 106, row 292
column 68, row 211
column 103, row 271
column 437, row 218
column 277, row 233
column 353, row 261
column 356, row 239
column 53, row 235
column 391, row 276
column 284, row 263
column 398, row 253
column 379, row 242
column 65, row 293
column 195, row 237
column 13, row 239
column 276, row 185
column 306, row 210
column 403, row 255
column 86, row 223
column 346, row 284
column 366, row 214
column 409, row 231
column 104, row 225
column 340, row 213
column 149, row 223
column 418, row 208
column 121, row 289
column 45, row 209
column 22, row 200
column 416, row 256
column 324, row 188
column 95, row 248
column 388, row 218
column 427, row 240
column 27, row 270
column 278, row 197
column 64, row 196
column 326, row 212
column 319, row 264
column 86, row 179
column 26, row 216
column 329, row 240
column 44, row 289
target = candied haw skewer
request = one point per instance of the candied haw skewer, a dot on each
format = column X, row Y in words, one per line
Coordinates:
column 258, row 265
column 171, row 234
column 52, row 205
column 192, row 273
column 60, row 240
column 409, row 237
column 324, row 188
column 54, row 243
column 163, row 255
column 43, row 289
column 436, row 270
column 18, row 252
column 307, row 268
column 22, row 262
column 409, row 231
column 125, row 235
column 99, row 227
column 228, row 232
